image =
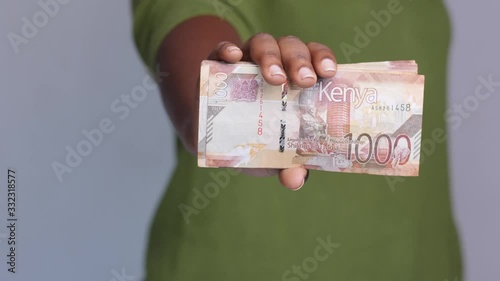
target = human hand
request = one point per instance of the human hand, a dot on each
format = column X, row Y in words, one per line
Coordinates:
column 281, row 59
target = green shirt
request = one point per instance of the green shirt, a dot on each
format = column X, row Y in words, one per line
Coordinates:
column 214, row 224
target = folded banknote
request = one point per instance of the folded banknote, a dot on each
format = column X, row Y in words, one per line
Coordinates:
column 367, row 119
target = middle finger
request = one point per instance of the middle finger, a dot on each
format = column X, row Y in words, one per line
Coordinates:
column 296, row 59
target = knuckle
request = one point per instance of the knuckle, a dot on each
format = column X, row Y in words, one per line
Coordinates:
column 270, row 55
column 298, row 58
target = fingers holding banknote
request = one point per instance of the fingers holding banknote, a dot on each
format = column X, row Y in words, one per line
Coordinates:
column 286, row 57
column 281, row 59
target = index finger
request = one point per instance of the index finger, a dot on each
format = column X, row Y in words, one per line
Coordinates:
column 263, row 49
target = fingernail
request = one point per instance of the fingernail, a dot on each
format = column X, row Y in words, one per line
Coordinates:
column 303, row 182
column 233, row 48
column 276, row 70
column 306, row 73
column 328, row 65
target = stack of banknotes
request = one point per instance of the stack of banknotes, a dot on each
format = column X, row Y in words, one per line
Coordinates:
column 367, row 119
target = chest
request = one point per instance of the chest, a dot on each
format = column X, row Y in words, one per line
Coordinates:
column 363, row 30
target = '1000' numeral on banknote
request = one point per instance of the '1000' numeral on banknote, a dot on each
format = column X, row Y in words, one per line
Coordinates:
column 367, row 119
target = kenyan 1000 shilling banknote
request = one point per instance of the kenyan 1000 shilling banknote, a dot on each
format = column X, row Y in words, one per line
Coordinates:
column 367, row 119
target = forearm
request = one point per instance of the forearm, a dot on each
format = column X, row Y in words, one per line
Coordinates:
column 180, row 56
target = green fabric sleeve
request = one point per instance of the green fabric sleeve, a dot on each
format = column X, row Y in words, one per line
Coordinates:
column 154, row 19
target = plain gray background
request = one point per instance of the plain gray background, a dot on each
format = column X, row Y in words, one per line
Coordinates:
column 93, row 225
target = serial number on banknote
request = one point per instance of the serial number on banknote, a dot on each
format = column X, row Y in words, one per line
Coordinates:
column 260, row 122
column 397, row 107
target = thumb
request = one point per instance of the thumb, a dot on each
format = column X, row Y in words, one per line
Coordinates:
column 293, row 178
